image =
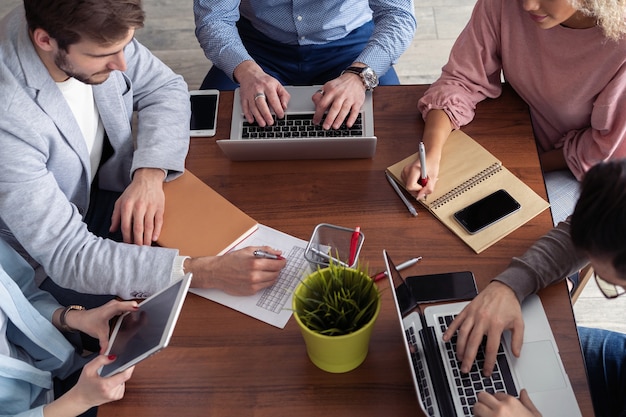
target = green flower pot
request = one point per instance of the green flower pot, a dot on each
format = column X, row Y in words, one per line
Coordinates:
column 336, row 354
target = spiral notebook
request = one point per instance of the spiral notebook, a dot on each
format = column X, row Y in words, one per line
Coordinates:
column 469, row 172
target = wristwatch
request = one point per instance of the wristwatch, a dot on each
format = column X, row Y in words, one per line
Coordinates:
column 66, row 310
column 368, row 76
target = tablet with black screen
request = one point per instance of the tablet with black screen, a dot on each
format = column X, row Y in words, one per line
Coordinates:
column 141, row 333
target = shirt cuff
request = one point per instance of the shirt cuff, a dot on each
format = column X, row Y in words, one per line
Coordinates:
column 178, row 271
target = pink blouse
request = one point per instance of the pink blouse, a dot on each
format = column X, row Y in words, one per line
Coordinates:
column 573, row 81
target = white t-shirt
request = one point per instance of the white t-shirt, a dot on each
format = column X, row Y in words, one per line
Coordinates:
column 79, row 97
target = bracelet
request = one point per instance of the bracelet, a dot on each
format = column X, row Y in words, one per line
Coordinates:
column 66, row 310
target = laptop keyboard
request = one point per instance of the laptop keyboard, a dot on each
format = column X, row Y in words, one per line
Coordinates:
column 468, row 385
column 420, row 371
column 299, row 126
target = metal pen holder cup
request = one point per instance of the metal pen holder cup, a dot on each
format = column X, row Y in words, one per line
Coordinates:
column 330, row 243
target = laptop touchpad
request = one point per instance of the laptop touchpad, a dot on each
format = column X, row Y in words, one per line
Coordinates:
column 538, row 367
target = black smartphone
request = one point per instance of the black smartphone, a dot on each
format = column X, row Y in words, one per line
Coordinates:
column 447, row 286
column 486, row 211
column 203, row 112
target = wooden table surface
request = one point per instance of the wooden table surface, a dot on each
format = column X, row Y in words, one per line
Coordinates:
column 223, row 363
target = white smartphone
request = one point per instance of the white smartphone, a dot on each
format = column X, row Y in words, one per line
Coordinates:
column 203, row 112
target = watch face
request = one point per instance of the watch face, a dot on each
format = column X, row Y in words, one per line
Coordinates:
column 370, row 78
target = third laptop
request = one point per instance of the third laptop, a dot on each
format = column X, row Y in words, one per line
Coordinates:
column 296, row 136
column 444, row 391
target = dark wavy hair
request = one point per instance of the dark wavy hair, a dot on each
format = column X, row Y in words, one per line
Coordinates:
column 69, row 21
column 598, row 225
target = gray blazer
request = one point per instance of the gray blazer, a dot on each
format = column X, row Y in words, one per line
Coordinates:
column 44, row 179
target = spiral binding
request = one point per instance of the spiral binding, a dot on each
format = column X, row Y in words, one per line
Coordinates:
column 466, row 185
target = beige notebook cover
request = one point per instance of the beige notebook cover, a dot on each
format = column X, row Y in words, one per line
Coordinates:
column 469, row 172
column 200, row 222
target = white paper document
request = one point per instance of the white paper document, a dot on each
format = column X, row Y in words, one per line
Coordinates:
column 272, row 305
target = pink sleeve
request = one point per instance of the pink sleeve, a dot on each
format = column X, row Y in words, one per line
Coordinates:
column 473, row 69
column 606, row 138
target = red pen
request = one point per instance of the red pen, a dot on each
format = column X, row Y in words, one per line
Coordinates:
column 354, row 244
column 423, row 174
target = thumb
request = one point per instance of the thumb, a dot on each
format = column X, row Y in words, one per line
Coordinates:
column 517, row 338
column 98, row 362
column 116, row 219
column 525, row 400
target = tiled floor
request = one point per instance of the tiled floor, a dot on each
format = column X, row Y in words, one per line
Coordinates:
column 169, row 33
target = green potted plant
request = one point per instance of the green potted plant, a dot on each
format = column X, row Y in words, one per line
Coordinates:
column 336, row 308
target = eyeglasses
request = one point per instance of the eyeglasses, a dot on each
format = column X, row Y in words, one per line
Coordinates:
column 609, row 290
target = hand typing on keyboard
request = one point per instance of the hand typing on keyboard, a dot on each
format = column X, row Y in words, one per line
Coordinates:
column 502, row 405
column 493, row 311
column 341, row 101
column 261, row 94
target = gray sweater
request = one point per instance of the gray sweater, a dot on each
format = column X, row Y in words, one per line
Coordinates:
column 550, row 259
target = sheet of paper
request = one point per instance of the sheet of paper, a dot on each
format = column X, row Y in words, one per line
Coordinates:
column 272, row 305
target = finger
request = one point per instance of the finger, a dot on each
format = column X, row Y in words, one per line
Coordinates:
column 275, row 104
column 284, row 97
column 317, row 96
column 271, row 250
column 115, row 218
column 261, row 110
column 425, row 191
column 472, row 340
column 485, row 405
column 526, row 401
column 148, row 229
column 332, row 117
column 454, row 326
column 138, row 228
column 158, row 224
column 517, row 337
column 410, row 176
column 126, row 226
column 92, row 367
column 121, row 307
column 344, row 111
column 247, row 112
column 487, row 398
column 352, row 116
column 320, row 109
column 491, row 352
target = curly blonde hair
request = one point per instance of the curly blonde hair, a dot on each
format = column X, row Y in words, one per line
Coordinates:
column 610, row 15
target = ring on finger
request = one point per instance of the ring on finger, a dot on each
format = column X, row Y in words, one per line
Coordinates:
column 259, row 95
column 320, row 92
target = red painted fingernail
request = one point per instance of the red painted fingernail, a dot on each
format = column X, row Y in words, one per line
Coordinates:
column 112, row 357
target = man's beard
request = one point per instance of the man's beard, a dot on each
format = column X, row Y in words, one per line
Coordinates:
column 61, row 61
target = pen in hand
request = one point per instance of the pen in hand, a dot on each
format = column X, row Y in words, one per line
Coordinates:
column 266, row 255
column 406, row 202
column 400, row 267
column 423, row 173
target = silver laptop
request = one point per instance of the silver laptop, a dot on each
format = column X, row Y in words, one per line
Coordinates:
column 441, row 388
column 296, row 137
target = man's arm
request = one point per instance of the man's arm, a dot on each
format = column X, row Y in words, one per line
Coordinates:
column 217, row 33
column 161, row 101
column 549, row 260
column 394, row 28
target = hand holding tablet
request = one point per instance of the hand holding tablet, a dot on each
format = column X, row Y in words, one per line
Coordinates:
column 141, row 333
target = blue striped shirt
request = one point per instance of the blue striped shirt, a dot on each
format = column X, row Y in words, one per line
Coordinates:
column 304, row 22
